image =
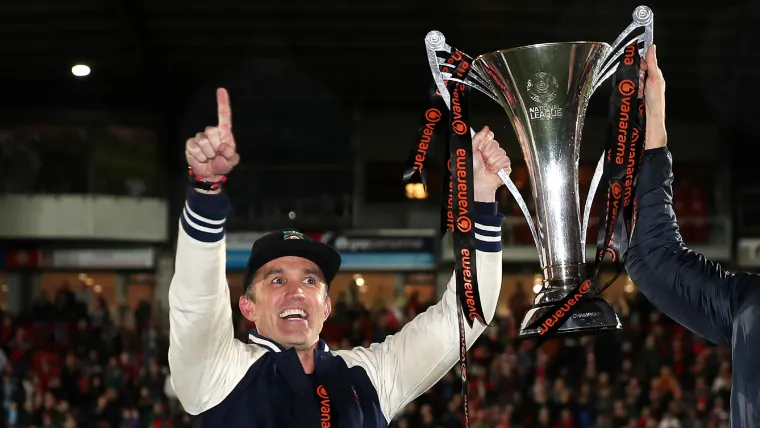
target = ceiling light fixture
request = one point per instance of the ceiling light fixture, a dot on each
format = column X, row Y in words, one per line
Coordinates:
column 80, row 70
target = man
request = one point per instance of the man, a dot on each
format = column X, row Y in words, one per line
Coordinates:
column 287, row 376
column 697, row 293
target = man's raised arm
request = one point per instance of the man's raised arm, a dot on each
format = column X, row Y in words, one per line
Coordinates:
column 206, row 361
column 408, row 363
column 695, row 292
column 692, row 290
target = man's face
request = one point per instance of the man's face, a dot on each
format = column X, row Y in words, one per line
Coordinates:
column 289, row 302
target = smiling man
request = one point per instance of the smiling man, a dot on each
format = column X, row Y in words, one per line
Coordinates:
column 288, row 377
column 285, row 291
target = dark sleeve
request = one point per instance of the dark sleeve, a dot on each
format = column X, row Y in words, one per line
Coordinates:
column 693, row 291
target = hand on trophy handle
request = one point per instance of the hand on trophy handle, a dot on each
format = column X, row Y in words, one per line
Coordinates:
column 488, row 160
column 436, row 42
column 503, row 175
column 212, row 153
column 654, row 101
column 643, row 17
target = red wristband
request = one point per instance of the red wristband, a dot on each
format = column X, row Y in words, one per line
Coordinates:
column 199, row 183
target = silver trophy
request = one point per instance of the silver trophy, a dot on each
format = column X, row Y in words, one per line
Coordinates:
column 545, row 89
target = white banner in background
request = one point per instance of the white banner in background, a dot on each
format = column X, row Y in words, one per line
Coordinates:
column 132, row 258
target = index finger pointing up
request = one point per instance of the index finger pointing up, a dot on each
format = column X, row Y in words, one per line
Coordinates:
column 223, row 108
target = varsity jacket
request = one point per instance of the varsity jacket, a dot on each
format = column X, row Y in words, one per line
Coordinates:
column 222, row 382
column 720, row 306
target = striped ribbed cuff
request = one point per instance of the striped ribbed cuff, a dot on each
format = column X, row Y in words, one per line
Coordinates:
column 488, row 223
column 204, row 215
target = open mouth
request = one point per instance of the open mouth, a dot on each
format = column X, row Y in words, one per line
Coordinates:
column 293, row 315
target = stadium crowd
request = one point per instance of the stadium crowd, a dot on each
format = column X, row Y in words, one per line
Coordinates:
column 69, row 361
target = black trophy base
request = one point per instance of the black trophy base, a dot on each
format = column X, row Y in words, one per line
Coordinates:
column 593, row 315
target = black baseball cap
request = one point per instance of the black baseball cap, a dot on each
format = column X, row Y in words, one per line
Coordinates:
column 291, row 242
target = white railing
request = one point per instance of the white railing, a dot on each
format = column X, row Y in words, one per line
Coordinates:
column 718, row 230
column 716, row 247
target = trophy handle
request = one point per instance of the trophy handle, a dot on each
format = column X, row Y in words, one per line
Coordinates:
column 436, row 42
column 642, row 17
column 473, row 80
column 589, row 201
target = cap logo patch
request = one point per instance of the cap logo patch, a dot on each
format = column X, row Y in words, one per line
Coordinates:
column 292, row 234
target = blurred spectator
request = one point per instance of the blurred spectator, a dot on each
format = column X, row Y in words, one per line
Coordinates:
column 67, row 362
column 71, row 361
column 653, row 374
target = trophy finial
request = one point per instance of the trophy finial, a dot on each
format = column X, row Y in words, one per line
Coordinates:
column 642, row 15
column 435, row 40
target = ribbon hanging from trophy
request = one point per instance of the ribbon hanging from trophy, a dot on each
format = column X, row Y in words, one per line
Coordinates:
column 622, row 159
column 421, row 156
column 457, row 206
